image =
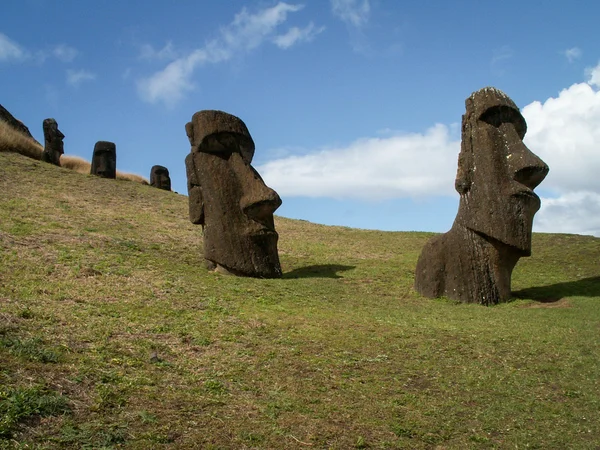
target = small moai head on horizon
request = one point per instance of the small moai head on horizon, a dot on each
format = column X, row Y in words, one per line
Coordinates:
column 159, row 178
column 228, row 197
column 104, row 160
column 53, row 142
column 497, row 173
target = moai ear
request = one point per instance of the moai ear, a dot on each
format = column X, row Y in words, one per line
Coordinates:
column 464, row 174
column 189, row 130
column 195, row 197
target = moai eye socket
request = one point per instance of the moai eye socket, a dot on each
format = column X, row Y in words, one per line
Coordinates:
column 497, row 115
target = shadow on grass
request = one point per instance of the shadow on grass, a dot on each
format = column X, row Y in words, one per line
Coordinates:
column 318, row 271
column 586, row 287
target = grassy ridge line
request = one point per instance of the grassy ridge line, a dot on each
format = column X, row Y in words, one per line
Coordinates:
column 12, row 140
column 104, row 302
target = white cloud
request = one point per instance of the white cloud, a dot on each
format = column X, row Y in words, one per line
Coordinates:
column 593, row 74
column 565, row 132
column 10, row 50
column 76, row 77
column 406, row 165
column 352, row 12
column 170, row 84
column 574, row 212
column 295, row 35
column 246, row 32
column 573, row 53
column 65, row 53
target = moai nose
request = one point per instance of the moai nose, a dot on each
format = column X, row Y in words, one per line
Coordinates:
column 528, row 169
column 259, row 201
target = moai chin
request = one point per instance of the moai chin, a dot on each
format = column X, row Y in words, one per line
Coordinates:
column 496, row 176
column 159, row 178
column 104, row 160
column 53, row 142
column 229, row 199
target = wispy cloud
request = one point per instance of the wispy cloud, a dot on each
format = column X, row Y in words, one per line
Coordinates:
column 76, row 77
column 499, row 57
column 167, row 53
column 246, row 32
column 352, row 12
column 64, row 53
column 295, row 35
column 572, row 54
column 10, row 50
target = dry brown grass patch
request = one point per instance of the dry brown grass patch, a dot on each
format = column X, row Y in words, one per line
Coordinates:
column 75, row 163
column 12, row 140
column 80, row 165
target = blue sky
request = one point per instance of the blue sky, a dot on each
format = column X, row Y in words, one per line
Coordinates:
column 354, row 105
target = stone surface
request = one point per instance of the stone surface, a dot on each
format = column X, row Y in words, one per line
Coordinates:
column 229, row 199
column 53, row 142
column 496, row 175
column 104, row 160
column 159, row 178
column 7, row 117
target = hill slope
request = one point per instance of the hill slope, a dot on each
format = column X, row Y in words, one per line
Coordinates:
column 112, row 334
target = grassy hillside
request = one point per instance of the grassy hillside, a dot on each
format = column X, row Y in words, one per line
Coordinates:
column 113, row 335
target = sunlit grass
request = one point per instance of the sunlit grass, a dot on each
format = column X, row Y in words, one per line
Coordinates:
column 149, row 349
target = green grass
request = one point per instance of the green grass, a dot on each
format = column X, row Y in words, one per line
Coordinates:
column 105, row 303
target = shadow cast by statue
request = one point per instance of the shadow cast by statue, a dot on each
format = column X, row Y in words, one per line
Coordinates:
column 586, row 287
column 318, row 271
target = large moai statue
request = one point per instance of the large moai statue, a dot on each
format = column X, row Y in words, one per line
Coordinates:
column 104, row 160
column 497, row 173
column 159, row 178
column 229, row 199
column 53, row 142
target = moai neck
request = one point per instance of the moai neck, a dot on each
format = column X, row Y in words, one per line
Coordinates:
column 485, row 267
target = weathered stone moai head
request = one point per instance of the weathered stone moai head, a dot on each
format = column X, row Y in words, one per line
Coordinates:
column 104, row 160
column 496, row 176
column 497, row 172
column 229, row 199
column 53, row 142
column 159, row 178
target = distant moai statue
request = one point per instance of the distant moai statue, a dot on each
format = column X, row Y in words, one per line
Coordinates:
column 473, row 262
column 104, row 160
column 159, row 178
column 229, row 199
column 53, row 142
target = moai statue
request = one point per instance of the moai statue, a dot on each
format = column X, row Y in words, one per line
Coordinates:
column 53, row 142
column 497, row 173
column 104, row 160
column 229, row 199
column 159, row 178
